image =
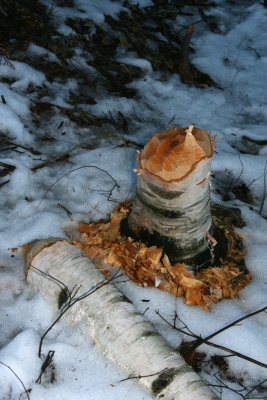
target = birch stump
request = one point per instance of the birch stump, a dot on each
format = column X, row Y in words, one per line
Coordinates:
column 172, row 199
column 111, row 320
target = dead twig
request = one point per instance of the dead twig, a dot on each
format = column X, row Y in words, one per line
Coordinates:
column 200, row 341
column 185, row 48
column 69, row 213
column 61, row 155
column 76, row 169
column 26, row 390
column 46, row 363
column 256, row 387
column 11, row 143
column 7, row 166
column 198, row 338
column 241, row 171
column 224, row 386
column 143, row 376
column 78, row 146
column 5, row 169
column 264, row 188
column 72, row 300
column 65, row 287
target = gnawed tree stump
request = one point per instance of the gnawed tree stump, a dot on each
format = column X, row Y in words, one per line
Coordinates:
column 111, row 320
column 172, row 200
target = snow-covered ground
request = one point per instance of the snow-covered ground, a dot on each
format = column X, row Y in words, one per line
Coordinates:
column 36, row 204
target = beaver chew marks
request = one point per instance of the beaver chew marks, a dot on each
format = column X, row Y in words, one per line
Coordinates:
column 173, row 190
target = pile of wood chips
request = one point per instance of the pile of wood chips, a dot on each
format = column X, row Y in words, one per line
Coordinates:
column 147, row 266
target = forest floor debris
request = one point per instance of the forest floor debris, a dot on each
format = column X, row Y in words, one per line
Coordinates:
column 150, row 266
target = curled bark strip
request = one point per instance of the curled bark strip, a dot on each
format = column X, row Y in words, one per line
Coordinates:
column 123, row 334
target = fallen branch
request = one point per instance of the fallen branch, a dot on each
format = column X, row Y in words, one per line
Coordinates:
column 11, row 143
column 202, row 340
column 76, row 169
column 9, row 167
column 264, row 188
column 224, row 386
column 46, row 363
column 26, row 390
column 256, row 387
column 78, row 146
column 205, row 341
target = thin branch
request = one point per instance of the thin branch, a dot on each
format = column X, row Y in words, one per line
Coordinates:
column 256, row 387
column 185, row 326
column 67, row 152
column 26, row 390
column 29, row 149
column 61, row 155
column 69, row 213
column 76, row 169
column 46, row 363
column 73, row 301
column 68, row 292
column 236, row 353
column 264, row 188
column 175, row 327
column 200, row 341
column 10, row 167
column 223, row 386
column 185, row 47
column 242, row 168
column 143, row 376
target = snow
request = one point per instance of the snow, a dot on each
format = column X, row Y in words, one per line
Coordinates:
column 31, row 202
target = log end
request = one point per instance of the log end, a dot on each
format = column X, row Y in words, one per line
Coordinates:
column 30, row 250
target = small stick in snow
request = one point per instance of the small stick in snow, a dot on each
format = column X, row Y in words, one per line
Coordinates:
column 76, row 169
column 264, row 188
column 206, row 341
column 26, row 390
column 201, row 340
column 46, row 363
column 84, row 143
column 256, row 387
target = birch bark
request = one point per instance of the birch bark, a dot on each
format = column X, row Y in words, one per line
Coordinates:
column 173, row 189
column 113, row 323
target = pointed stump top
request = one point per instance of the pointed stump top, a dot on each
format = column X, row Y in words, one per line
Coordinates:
column 174, row 153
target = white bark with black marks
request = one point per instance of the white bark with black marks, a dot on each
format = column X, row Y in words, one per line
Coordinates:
column 173, row 189
column 123, row 335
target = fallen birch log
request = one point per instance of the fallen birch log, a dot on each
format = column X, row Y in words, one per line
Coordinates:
column 112, row 322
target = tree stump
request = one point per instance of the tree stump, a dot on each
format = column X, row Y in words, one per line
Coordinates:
column 172, row 200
